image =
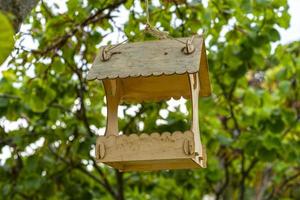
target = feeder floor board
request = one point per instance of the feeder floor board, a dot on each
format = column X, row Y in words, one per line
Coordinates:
column 148, row 152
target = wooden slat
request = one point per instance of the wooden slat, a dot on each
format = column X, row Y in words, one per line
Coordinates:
column 153, row 165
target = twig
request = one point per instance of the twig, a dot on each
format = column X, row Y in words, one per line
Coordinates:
column 105, row 180
column 281, row 188
column 80, row 94
column 226, row 182
column 79, row 167
column 245, row 173
column 182, row 19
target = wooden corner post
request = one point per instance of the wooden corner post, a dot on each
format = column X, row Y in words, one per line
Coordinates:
column 112, row 101
column 195, row 89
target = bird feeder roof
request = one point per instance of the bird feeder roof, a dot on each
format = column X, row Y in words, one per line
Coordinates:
column 160, row 63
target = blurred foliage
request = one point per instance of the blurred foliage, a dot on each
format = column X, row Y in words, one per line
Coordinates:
column 250, row 125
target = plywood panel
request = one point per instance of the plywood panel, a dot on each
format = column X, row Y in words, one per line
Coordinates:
column 154, row 88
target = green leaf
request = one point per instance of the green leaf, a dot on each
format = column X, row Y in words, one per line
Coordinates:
column 272, row 142
column 6, row 38
column 129, row 4
column 284, row 86
column 38, row 95
column 224, row 140
column 284, row 20
column 266, row 155
column 276, row 124
column 3, row 102
column 273, row 34
column 58, row 66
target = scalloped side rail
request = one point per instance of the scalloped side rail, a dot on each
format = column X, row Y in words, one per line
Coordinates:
column 148, row 152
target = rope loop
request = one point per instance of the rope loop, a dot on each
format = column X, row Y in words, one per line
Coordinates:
column 106, row 52
column 189, row 47
column 156, row 33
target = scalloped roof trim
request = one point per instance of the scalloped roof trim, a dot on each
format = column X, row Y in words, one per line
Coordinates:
column 93, row 76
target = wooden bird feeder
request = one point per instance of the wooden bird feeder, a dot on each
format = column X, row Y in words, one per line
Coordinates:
column 152, row 71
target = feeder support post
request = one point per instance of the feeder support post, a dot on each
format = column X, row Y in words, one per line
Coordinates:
column 195, row 89
column 112, row 102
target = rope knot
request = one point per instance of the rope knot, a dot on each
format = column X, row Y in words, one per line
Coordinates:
column 155, row 32
column 189, row 47
column 105, row 53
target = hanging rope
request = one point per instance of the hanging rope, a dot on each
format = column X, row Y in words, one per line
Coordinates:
column 189, row 48
column 154, row 31
column 147, row 12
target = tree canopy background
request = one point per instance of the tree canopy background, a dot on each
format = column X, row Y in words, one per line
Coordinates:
column 250, row 125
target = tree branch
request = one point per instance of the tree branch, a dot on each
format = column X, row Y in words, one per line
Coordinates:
column 59, row 42
column 245, row 173
column 79, row 167
column 20, row 9
column 105, row 180
column 275, row 193
column 226, row 182
column 120, row 185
